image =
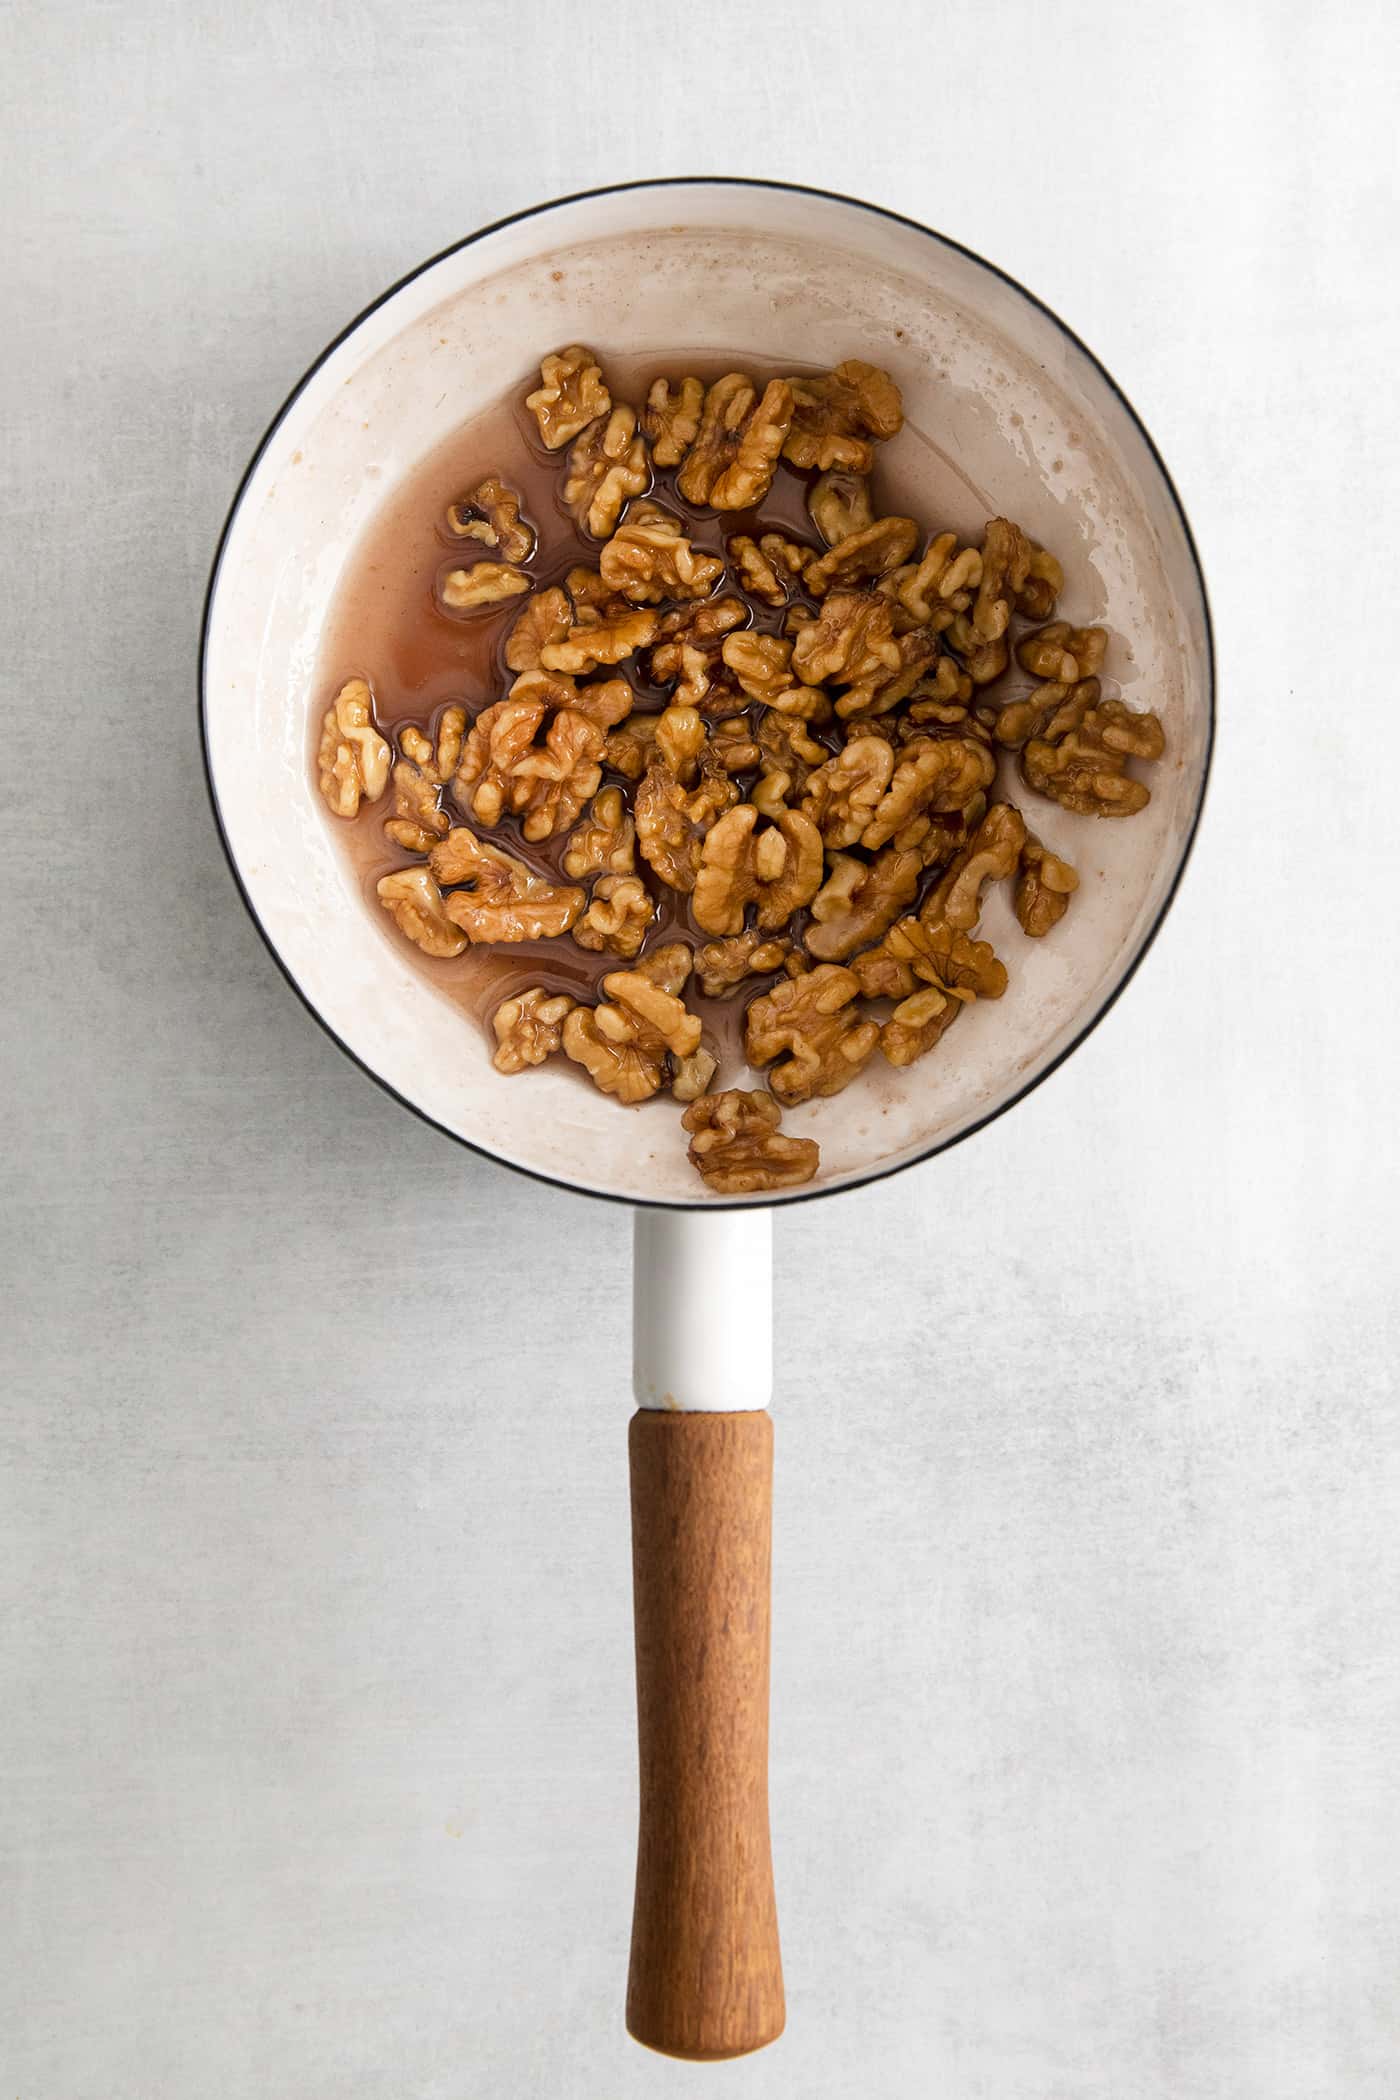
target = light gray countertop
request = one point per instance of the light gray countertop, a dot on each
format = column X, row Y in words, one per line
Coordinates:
column 316, row 1753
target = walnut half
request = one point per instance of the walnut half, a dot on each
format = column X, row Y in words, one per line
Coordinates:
column 737, row 1148
column 778, row 868
column 1043, row 888
column 529, row 1027
column 649, row 558
column 415, row 903
column 607, row 464
column 672, row 822
column 720, row 965
column 812, row 1020
column 618, row 915
column 605, row 842
column 671, row 418
column 571, row 395
column 625, row 1043
column 353, row 757
column 503, row 899
column 491, row 514
column 1080, row 756
column 992, row 854
column 859, row 899
column 730, row 465
column 835, row 417
column 484, row 584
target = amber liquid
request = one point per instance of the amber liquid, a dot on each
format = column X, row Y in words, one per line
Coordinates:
column 387, row 626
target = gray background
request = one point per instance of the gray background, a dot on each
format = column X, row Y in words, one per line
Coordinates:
column 316, row 1763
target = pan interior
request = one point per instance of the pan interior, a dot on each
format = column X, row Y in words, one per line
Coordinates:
column 998, row 400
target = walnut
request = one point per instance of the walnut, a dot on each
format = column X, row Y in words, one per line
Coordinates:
column 811, row 1018
column 851, row 639
column 602, row 701
column 703, row 625
column 590, row 597
column 672, row 822
column 1044, row 582
column 917, row 1024
column 872, row 550
column 1017, row 576
column 529, row 1028
column 859, row 900
column 649, row 558
column 418, row 822
column 937, row 775
column 571, row 395
column 730, row 465
column 946, row 973
column 629, row 750
column 606, row 466
column 627, row 1071
column 835, row 416
column 624, row 1043
column 772, row 793
column 604, row 843
column 704, row 681
column 353, row 756
column 842, row 795
column 451, row 729
column 787, row 756
column 491, row 514
column 852, row 643
column 506, row 769
column 951, row 834
column 720, row 965
column 1014, row 724
column 1043, row 888
column 941, row 697
column 597, row 640
column 671, row 419
column 1062, row 652
column 680, row 739
column 542, row 621
column 760, row 662
column 734, row 747
column 617, row 917
column 504, row 900
column 768, row 567
column 737, row 1148
column 802, row 703
column 415, row 903
column 1079, row 758
column 483, row 585
column 934, row 973
column 914, row 952
column 882, row 690
column 991, row 855
column 931, row 591
column 687, row 652
column 983, row 661
column 779, row 868
column 668, row 968
column 839, row 502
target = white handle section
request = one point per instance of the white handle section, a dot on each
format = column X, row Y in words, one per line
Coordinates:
column 702, row 1309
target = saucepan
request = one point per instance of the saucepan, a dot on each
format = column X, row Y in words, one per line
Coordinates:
column 1002, row 392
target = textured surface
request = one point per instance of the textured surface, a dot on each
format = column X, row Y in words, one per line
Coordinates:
column 705, row 1978
column 315, row 1716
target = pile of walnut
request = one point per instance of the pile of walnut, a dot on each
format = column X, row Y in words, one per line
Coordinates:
column 820, row 792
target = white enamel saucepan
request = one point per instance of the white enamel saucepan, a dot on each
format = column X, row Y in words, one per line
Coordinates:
column 1004, row 399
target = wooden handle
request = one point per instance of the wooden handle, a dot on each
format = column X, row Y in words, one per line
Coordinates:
column 706, row 1977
